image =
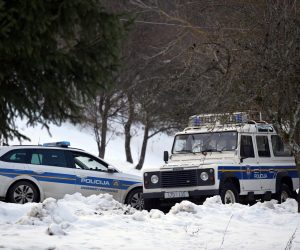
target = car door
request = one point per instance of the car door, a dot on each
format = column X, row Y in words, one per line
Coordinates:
column 249, row 166
column 53, row 171
column 93, row 177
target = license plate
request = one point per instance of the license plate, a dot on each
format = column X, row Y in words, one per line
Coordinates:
column 177, row 194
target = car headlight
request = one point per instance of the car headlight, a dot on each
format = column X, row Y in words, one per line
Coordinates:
column 204, row 176
column 154, row 179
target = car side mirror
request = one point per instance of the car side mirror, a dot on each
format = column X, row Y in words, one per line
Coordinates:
column 166, row 156
column 111, row 169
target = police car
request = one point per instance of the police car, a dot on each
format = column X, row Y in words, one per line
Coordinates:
column 33, row 173
column 236, row 156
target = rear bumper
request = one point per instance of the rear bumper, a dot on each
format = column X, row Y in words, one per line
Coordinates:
column 192, row 194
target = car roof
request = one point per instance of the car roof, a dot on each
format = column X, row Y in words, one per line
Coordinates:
column 4, row 149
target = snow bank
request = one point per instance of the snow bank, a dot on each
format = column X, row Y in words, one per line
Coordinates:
column 100, row 222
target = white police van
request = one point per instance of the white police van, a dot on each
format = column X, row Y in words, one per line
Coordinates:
column 33, row 173
column 230, row 155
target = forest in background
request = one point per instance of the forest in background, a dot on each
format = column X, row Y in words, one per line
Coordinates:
column 150, row 63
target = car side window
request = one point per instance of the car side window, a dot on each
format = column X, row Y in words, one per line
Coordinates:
column 17, row 156
column 83, row 161
column 246, row 147
column 49, row 157
column 263, row 148
column 36, row 158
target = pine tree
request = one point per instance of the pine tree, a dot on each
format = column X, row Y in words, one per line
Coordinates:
column 54, row 55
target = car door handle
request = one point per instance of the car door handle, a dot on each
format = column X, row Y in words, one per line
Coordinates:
column 271, row 170
column 256, row 170
column 38, row 172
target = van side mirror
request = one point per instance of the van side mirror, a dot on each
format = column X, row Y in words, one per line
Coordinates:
column 242, row 159
column 166, row 156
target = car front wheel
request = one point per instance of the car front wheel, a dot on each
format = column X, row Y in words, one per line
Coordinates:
column 135, row 199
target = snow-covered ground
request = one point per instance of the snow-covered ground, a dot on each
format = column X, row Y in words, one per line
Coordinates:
column 99, row 222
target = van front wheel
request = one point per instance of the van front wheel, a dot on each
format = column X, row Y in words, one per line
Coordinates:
column 229, row 193
column 151, row 204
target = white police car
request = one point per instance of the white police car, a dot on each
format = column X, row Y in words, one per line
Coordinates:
column 33, row 173
column 236, row 156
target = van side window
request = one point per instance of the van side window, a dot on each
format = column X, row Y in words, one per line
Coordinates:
column 279, row 148
column 263, row 148
column 246, row 147
column 17, row 156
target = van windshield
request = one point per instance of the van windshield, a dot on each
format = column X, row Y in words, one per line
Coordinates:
column 205, row 142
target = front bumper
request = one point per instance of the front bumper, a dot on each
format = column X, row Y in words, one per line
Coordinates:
column 192, row 194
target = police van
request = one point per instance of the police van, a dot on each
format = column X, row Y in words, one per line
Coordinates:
column 33, row 173
column 237, row 156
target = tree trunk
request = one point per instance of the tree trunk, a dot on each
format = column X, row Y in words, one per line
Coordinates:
column 298, row 165
column 97, row 136
column 127, row 129
column 103, row 137
column 100, row 128
column 144, row 147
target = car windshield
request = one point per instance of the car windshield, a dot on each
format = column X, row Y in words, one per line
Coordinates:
column 205, row 142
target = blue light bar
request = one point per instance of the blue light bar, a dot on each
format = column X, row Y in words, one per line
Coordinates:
column 197, row 121
column 221, row 119
column 63, row 144
column 238, row 118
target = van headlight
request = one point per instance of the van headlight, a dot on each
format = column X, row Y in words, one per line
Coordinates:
column 204, row 176
column 154, row 179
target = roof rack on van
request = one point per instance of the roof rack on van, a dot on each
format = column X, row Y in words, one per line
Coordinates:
column 251, row 117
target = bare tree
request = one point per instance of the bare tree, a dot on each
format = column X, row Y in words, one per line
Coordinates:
column 99, row 112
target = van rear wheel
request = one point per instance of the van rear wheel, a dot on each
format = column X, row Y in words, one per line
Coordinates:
column 284, row 193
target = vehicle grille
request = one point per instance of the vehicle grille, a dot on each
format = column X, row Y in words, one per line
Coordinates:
column 184, row 178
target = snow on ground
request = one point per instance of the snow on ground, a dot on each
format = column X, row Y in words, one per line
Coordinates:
column 99, row 222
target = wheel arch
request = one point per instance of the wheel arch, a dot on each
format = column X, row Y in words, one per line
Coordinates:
column 281, row 178
column 229, row 177
column 129, row 191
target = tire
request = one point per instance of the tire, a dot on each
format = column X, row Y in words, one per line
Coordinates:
column 283, row 194
column 151, row 204
column 229, row 193
column 22, row 192
column 135, row 199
